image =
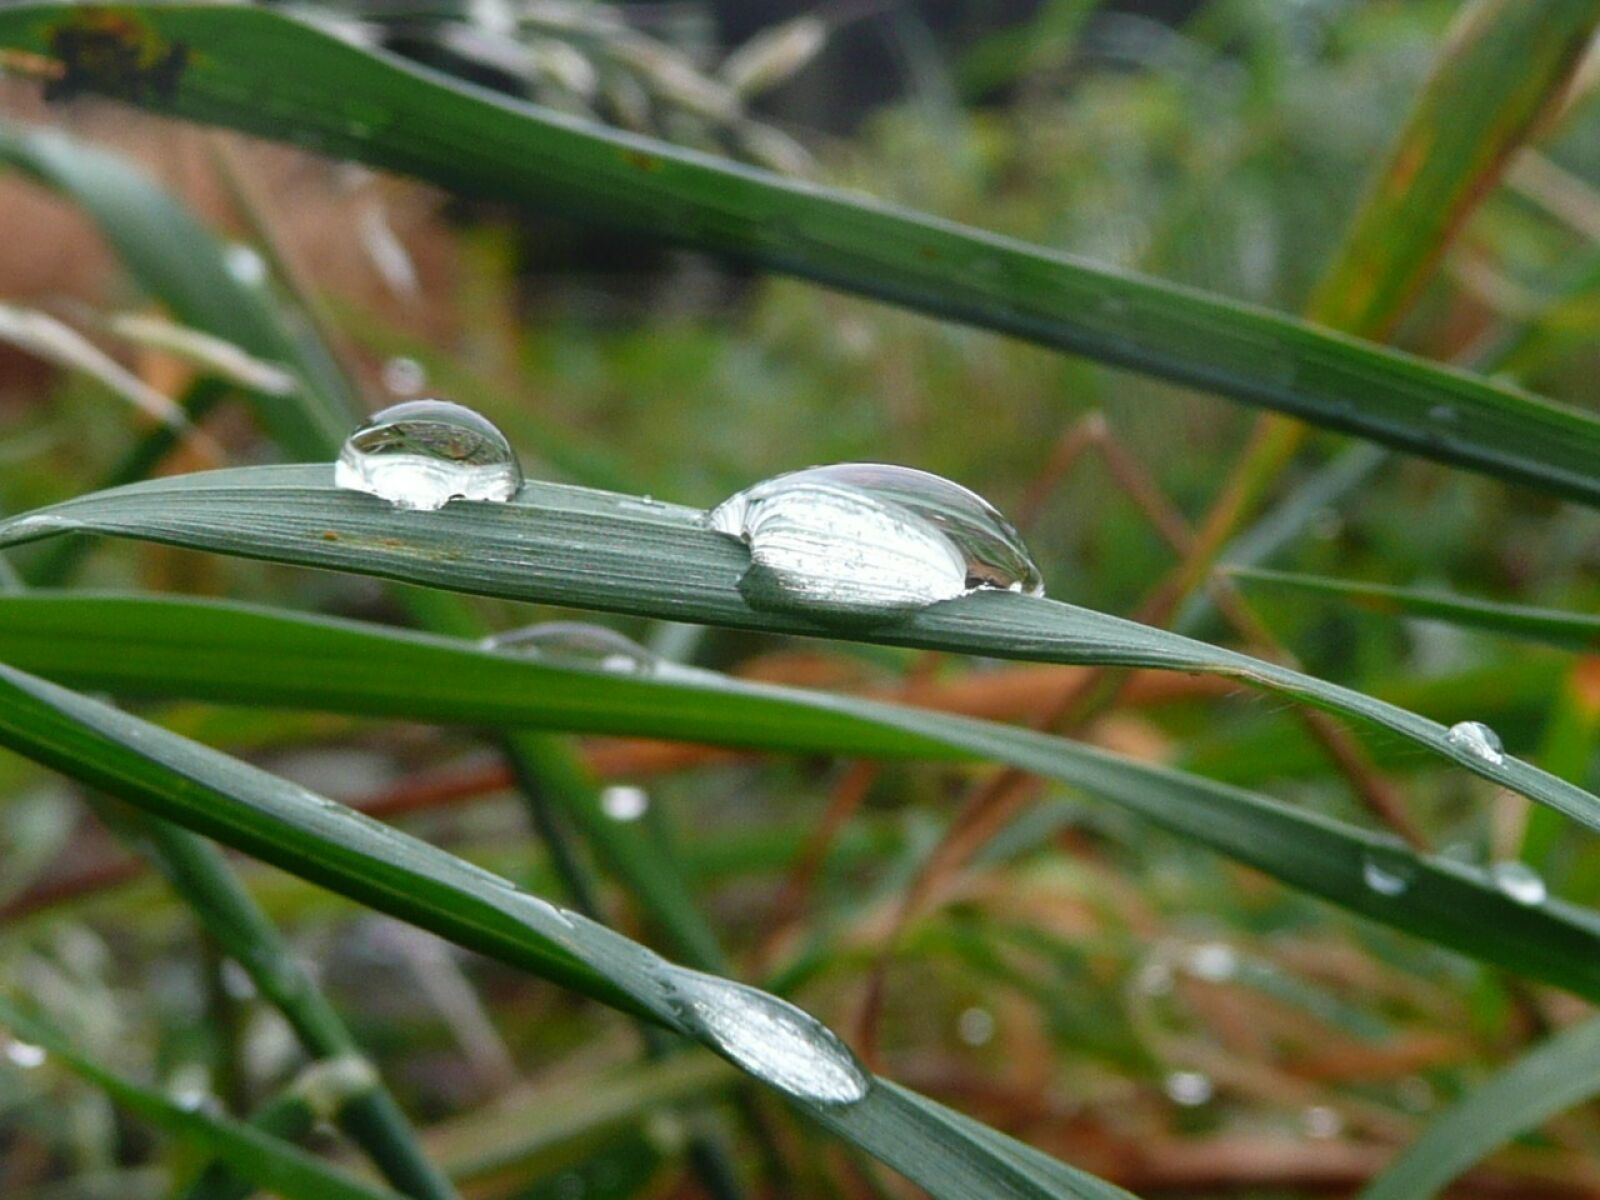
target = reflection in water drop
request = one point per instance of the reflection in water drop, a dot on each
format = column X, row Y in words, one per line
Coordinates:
column 424, row 453
column 24, row 1054
column 975, row 1026
column 1188, row 1088
column 575, row 645
column 771, row 1038
column 621, row 802
column 404, row 376
column 866, row 541
column 1520, row 882
column 1479, row 740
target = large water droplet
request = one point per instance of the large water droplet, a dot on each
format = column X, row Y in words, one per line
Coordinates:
column 1479, row 740
column 576, row 645
column 771, row 1038
column 1188, row 1088
column 24, row 1054
column 867, row 541
column 1519, row 882
column 424, row 453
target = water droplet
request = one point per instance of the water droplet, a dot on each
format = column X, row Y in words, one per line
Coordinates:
column 623, row 803
column 424, row 453
column 1320, row 1121
column 24, row 1054
column 1520, row 882
column 869, row 541
column 1443, row 414
column 1154, row 978
column 576, row 645
column 245, row 264
column 1213, row 962
column 1479, row 740
column 1389, row 873
column 771, row 1038
column 404, row 376
column 975, row 1026
column 190, row 1099
column 1188, row 1088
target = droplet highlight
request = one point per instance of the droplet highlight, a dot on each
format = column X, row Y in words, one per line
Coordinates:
column 1478, row 740
column 576, row 645
column 1520, row 882
column 976, row 1026
column 1212, row 961
column 24, row 1055
column 776, row 1042
column 870, row 541
column 1389, row 873
column 404, row 376
column 622, row 802
column 422, row 454
column 1191, row 1089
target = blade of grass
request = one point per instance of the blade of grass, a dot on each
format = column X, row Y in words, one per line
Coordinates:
column 588, row 549
column 284, row 824
column 267, row 73
column 1556, row 1075
column 246, row 655
column 268, row 1161
column 1549, row 626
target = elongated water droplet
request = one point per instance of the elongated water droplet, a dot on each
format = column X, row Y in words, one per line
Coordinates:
column 771, row 1038
column 867, row 541
column 424, row 453
column 1519, row 882
column 1479, row 740
column 621, row 802
column 24, row 1054
column 1188, row 1088
column 576, row 645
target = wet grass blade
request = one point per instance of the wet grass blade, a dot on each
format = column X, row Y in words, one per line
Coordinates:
column 1556, row 1075
column 255, row 656
column 270, row 1163
column 267, row 73
column 1552, row 627
column 588, row 549
column 284, row 824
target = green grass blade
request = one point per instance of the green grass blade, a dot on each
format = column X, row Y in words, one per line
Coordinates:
column 292, row 828
column 273, row 1165
column 249, row 655
column 267, row 73
column 589, row 549
column 1500, row 73
column 178, row 261
column 1556, row 1075
column 1552, row 627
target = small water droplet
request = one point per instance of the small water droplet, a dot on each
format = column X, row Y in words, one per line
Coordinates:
column 1213, row 962
column 1389, row 873
column 621, row 802
column 576, row 645
column 1479, row 740
column 1154, row 978
column 24, row 1055
column 404, row 376
column 1320, row 1121
column 1520, row 882
column 245, row 264
column 1188, row 1088
column 424, row 453
column 867, row 541
column 772, row 1039
column 975, row 1026
column 190, row 1099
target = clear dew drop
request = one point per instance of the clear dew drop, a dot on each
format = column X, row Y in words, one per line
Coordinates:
column 1479, row 740
column 25, row 1055
column 868, row 541
column 622, row 802
column 404, row 376
column 1520, row 882
column 424, row 453
column 576, row 645
column 976, row 1026
column 771, row 1038
column 1388, row 874
column 1188, row 1088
